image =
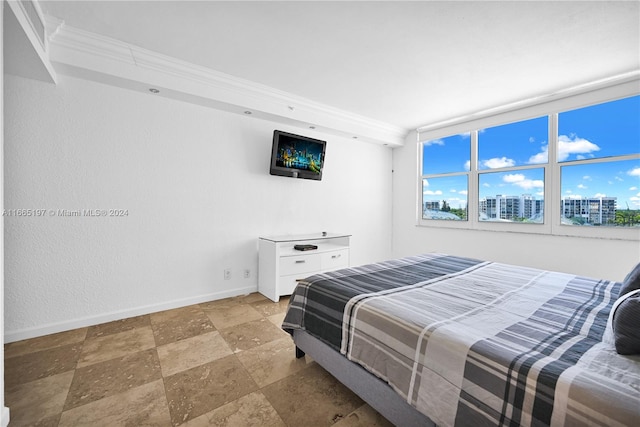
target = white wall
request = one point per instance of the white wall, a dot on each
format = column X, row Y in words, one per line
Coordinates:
column 196, row 184
column 599, row 258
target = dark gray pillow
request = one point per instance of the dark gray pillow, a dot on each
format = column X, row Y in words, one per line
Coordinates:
column 626, row 325
column 631, row 282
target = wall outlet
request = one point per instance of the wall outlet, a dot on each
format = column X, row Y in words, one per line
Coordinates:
column 227, row 274
column 247, row 273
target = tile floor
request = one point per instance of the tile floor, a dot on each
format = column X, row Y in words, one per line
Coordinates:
column 221, row 363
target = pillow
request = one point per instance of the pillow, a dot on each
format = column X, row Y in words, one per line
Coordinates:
column 626, row 323
column 631, row 282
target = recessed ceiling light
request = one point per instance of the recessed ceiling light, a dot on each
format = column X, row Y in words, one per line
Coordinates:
column 154, row 90
column 248, row 112
column 312, row 127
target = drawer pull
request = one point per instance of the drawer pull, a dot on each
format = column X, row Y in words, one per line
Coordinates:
column 335, row 256
column 300, row 261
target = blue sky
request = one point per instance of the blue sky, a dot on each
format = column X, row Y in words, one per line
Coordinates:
column 598, row 131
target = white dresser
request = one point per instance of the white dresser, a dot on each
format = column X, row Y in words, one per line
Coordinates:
column 280, row 265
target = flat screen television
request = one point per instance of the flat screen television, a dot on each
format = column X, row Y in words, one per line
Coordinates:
column 297, row 156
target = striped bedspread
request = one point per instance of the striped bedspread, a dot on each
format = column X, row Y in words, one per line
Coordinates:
column 472, row 343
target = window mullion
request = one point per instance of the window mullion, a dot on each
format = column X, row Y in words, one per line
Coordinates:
column 552, row 203
column 473, row 196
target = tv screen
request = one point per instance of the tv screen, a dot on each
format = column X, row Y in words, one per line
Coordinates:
column 297, row 156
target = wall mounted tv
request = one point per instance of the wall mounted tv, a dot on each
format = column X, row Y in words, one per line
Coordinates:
column 297, row 156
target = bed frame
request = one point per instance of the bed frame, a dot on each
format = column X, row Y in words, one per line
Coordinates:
column 378, row 394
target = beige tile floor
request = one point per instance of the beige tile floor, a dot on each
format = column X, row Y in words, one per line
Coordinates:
column 221, row 363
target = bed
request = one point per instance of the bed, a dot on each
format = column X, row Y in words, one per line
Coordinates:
column 448, row 340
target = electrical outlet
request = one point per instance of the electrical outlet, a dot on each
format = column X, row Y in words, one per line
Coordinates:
column 227, row 273
column 247, row 273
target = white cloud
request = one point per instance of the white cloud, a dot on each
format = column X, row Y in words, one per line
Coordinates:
column 433, row 142
column 633, row 188
column 432, row 193
column 523, row 182
column 541, row 157
column 540, row 193
column 486, row 184
column 582, row 186
column 498, row 162
column 586, row 178
column 514, row 177
column 567, row 145
column 467, row 165
column 634, row 172
column 599, row 195
column 463, row 192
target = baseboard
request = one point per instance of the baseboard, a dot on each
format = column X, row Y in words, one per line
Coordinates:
column 52, row 328
column 5, row 417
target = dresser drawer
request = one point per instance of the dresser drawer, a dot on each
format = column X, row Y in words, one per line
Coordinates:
column 299, row 264
column 286, row 284
column 335, row 260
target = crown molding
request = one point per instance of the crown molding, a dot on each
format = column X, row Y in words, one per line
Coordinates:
column 85, row 42
column 92, row 56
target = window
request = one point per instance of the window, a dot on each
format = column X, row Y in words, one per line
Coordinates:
column 604, row 130
column 445, row 184
column 445, row 197
column 514, row 144
column 610, row 189
column 499, row 177
column 600, row 184
column 516, row 195
column 446, row 155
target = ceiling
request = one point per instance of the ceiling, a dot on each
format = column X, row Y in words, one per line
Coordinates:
column 403, row 63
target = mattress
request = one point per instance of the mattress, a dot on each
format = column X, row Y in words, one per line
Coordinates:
column 472, row 342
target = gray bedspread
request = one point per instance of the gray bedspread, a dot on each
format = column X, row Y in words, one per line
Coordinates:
column 474, row 343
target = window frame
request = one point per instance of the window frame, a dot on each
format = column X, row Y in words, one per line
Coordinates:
column 551, row 106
